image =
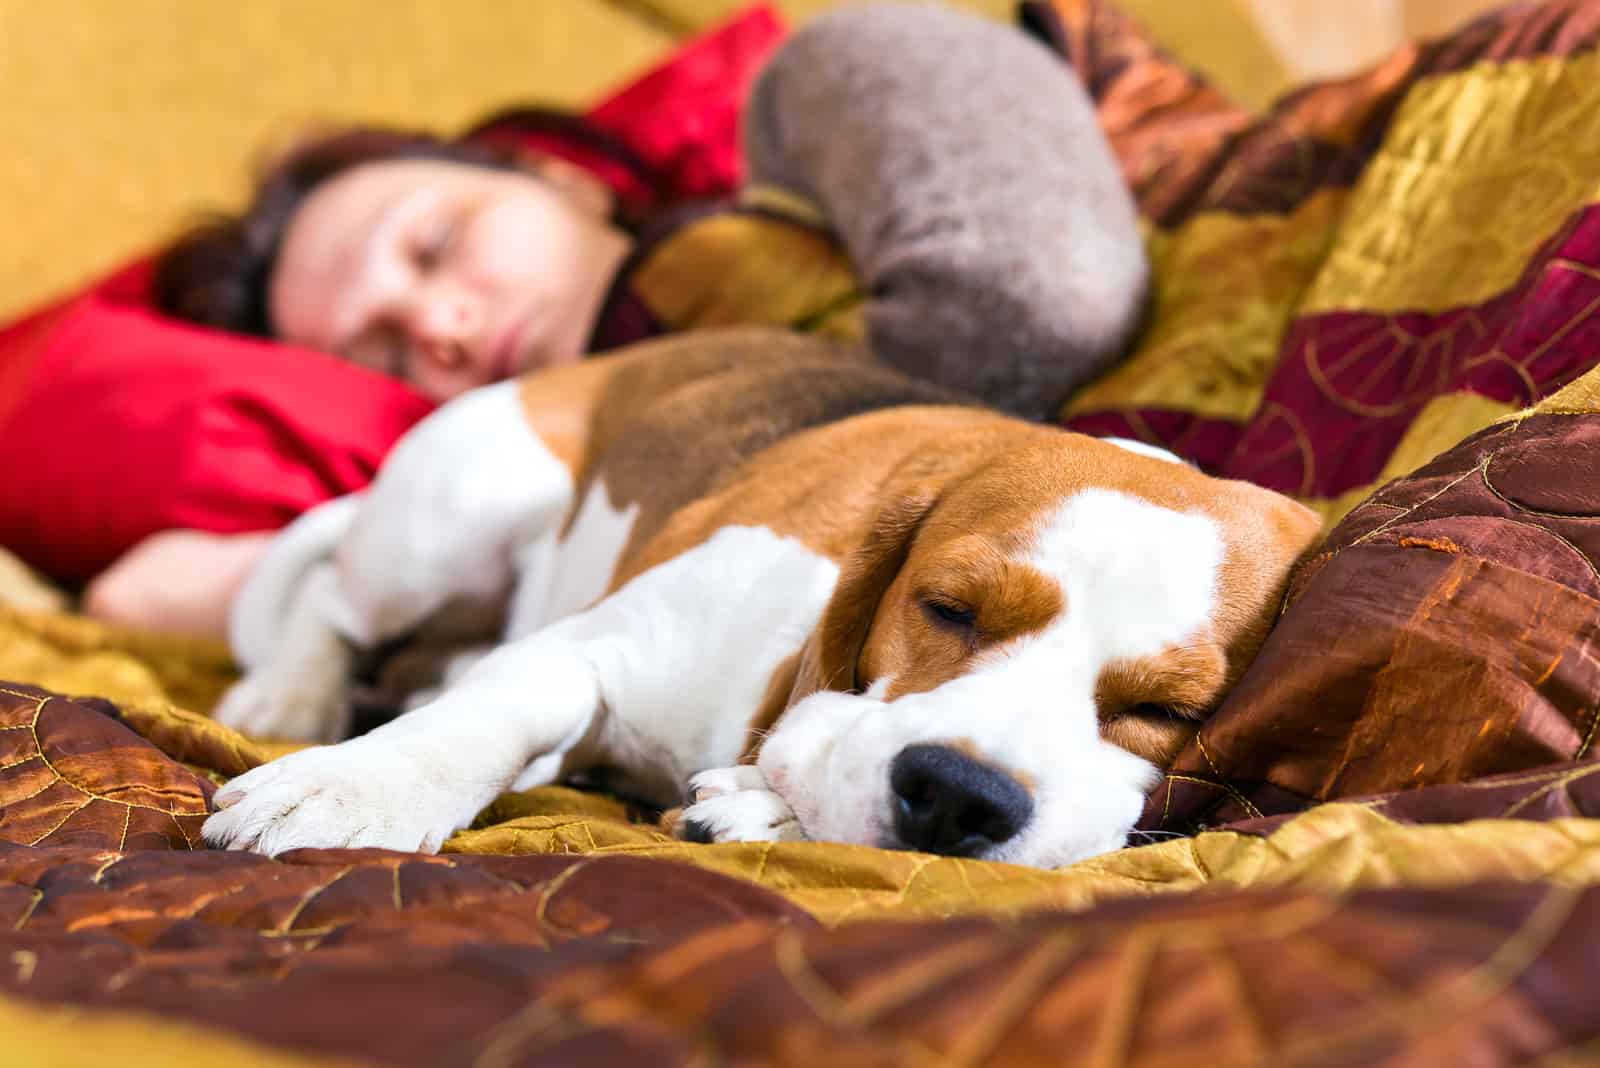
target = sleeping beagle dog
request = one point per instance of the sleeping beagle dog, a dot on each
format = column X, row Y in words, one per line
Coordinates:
column 839, row 603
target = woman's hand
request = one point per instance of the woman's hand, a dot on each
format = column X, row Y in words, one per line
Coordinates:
column 177, row 580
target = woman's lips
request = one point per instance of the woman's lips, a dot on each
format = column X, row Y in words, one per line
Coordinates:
column 508, row 354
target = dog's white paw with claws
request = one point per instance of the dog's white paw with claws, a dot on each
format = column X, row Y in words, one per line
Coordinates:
column 737, row 805
column 349, row 795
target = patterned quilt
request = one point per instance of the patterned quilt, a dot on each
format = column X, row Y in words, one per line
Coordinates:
column 1384, row 848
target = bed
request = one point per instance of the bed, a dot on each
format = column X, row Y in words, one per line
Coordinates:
column 1382, row 295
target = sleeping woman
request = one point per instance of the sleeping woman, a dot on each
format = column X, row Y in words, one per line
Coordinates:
column 949, row 170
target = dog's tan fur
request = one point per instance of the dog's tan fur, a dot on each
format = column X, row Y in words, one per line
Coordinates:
column 671, row 427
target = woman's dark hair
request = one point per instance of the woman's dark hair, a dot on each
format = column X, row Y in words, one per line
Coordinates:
column 216, row 274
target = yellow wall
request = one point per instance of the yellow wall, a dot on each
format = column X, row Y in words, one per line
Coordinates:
column 121, row 116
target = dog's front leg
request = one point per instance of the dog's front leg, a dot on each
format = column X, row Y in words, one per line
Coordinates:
column 410, row 783
column 659, row 677
column 298, row 691
column 452, row 517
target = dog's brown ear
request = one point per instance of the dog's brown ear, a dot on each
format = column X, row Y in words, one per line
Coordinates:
column 1282, row 530
column 1270, row 534
column 828, row 659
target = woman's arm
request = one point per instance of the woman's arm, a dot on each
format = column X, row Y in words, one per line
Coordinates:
column 178, row 581
column 961, row 163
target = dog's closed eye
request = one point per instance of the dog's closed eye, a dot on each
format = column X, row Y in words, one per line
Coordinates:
column 951, row 613
column 1150, row 710
column 1150, row 729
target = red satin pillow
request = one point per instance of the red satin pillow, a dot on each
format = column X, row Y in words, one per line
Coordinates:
column 116, row 422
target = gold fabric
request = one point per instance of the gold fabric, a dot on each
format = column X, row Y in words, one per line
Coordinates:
column 1226, row 287
column 57, row 1036
column 776, row 268
column 73, row 655
column 1334, row 848
column 1478, row 170
column 1578, row 397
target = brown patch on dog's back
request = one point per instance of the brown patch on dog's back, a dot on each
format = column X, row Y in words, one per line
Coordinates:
column 700, row 428
column 560, row 404
column 662, row 424
column 580, row 409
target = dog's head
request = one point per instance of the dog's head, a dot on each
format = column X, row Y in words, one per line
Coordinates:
column 1012, row 655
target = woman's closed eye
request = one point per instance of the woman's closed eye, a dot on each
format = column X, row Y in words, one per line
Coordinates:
column 435, row 242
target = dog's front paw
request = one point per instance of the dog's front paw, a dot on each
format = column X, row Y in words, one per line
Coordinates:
column 737, row 805
column 300, row 688
column 310, row 706
column 361, row 793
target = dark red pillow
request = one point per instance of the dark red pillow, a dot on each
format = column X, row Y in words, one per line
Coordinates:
column 116, row 422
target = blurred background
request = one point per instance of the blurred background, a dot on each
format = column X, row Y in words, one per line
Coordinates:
column 122, row 117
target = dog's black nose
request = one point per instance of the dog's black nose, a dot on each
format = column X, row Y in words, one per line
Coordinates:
column 946, row 802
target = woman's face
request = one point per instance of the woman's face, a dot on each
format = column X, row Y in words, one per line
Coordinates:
column 448, row 275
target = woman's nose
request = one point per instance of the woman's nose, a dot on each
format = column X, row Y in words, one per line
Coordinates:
column 446, row 324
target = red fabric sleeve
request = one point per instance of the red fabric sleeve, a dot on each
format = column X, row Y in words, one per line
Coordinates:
column 680, row 118
column 683, row 116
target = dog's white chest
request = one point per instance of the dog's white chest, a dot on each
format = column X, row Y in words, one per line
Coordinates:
column 559, row 575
